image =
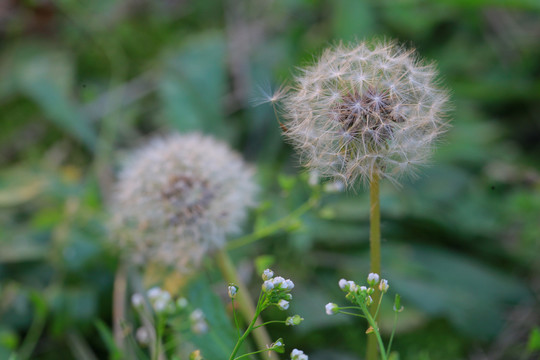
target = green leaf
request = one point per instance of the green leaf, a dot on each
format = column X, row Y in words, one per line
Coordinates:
column 219, row 341
column 108, row 339
column 45, row 75
column 534, row 340
column 192, row 85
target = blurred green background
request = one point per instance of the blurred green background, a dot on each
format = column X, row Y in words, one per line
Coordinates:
column 83, row 82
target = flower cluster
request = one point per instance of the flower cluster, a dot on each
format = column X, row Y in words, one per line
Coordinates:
column 159, row 299
column 277, row 289
column 363, row 109
column 198, row 322
column 360, row 295
column 159, row 302
column 178, row 197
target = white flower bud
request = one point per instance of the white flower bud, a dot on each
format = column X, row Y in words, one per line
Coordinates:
column 137, row 300
column 293, row 320
column 344, row 285
column 143, row 336
column 332, row 308
column 232, row 289
column 283, row 304
column 267, row 274
column 287, row 285
column 369, row 300
column 383, row 285
column 277, row 281
column 154, row 293
column 267, row 286
column 373, row 279
column 298, row 355
column 182, row 303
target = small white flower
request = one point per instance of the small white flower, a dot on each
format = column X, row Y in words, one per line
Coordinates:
column 137, row 300
column 267, row 274
column 277, row 345
column 283, row 304
column 277, row 281
column 369, row 300
column 383, row 285
column 267, row 286
column 344, row 284
column 154, row 293
column 160, row 305
column 199, row 327
column 196, row 315
column 373, row 279
column 332, row 308
column 232, row 289
column 363, row 288
column 287, row 285
column 293, row 320
column 182, row 303
column 298, row 355
column 142, row 336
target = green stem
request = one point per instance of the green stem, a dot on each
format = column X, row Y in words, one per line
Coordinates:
column 375, row 255
column 378, row 306
column 392, row 335
column 235, row 317
column 251, row 353
column 269, row 322
column 35, row 331
column 159, row 332
column 275, row 226
column 377, row 335
column 245, row 304
column 352, row 314
column 245, row 335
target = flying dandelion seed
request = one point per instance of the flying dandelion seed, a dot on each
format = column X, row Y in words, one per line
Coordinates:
column 365, row 108
column 178, row 197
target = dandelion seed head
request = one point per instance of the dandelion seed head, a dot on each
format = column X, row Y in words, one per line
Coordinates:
column 178, row 197
column 365, row 108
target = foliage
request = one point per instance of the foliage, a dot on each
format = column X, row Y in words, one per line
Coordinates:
column 84, row 82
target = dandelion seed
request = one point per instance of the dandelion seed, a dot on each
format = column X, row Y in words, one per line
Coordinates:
column 178, row 197
column 365, row 108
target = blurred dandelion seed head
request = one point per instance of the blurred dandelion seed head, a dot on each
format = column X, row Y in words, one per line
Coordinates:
column 177, row 198
column 365, row 108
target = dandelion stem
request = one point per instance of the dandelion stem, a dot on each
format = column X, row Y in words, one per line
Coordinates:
column 375, row 256
column 245, row 304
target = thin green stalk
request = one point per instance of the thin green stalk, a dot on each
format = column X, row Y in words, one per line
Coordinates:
column 375, row 255
column 275, row 226
column 245, row 303
column 376, row 333
column 159, row 334
column 352, row 314
column 235, row 317
column 246, row 333
column 392, row 335
column 251, row 353
column 269, row 322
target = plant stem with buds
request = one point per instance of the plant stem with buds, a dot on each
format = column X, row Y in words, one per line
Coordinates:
column 375, row 255
column 244, row 301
